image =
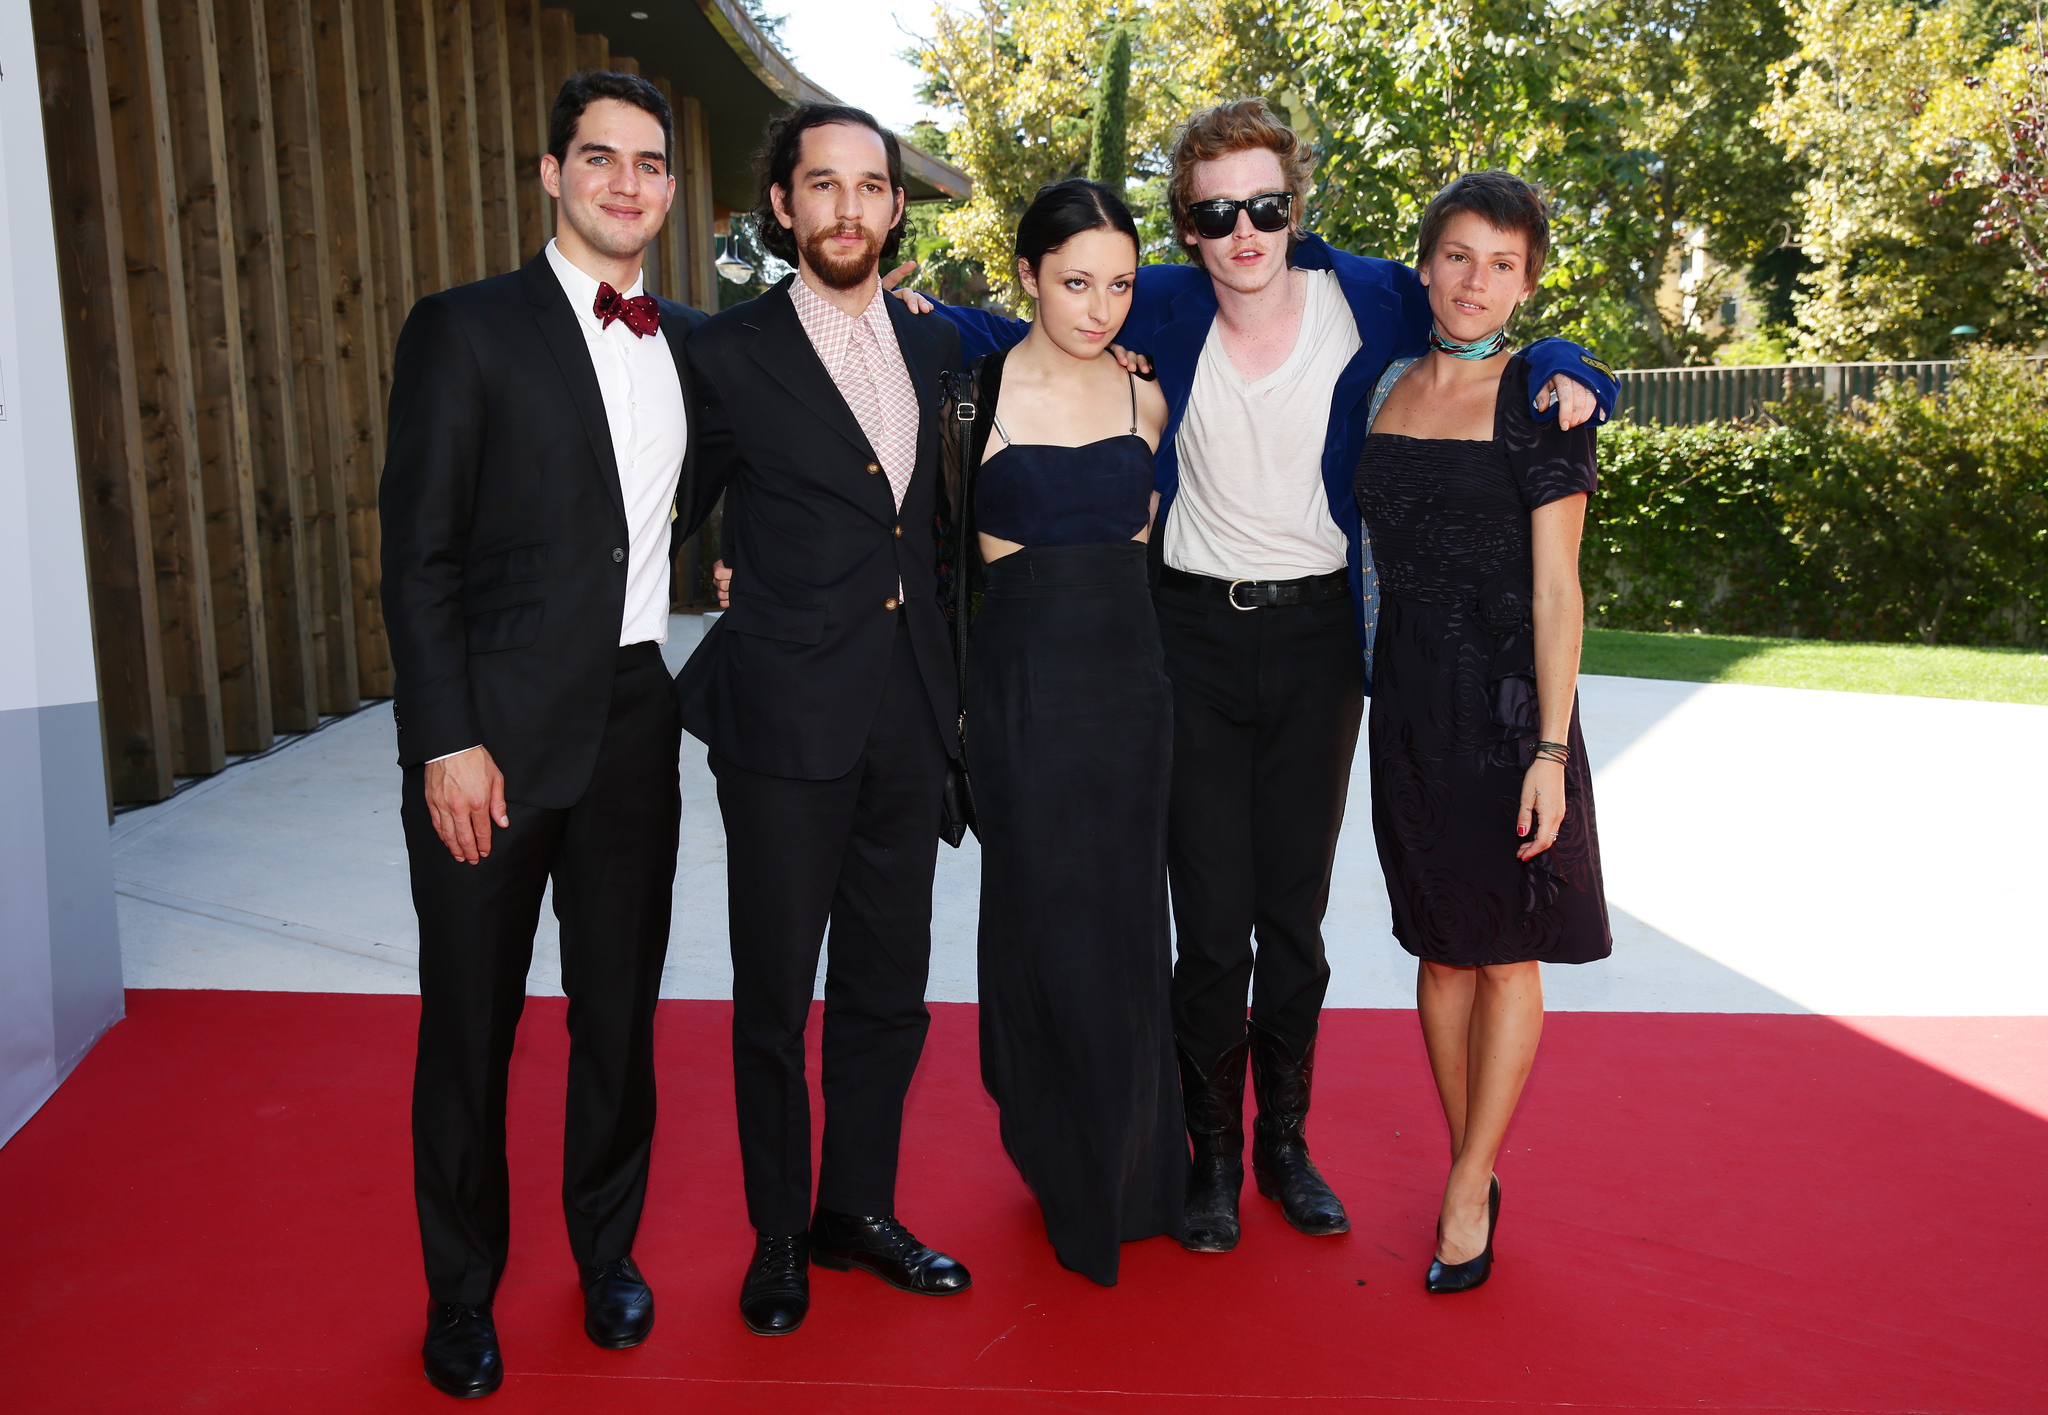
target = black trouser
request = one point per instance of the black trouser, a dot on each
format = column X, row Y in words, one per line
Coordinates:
column 612, row 857
column 856, row 852
column 1266, row 707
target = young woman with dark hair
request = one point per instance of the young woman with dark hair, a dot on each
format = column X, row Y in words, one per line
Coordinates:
column 1069, row 739
column 1475, row 511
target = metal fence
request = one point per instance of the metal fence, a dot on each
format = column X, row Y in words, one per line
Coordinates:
column 1717, row 393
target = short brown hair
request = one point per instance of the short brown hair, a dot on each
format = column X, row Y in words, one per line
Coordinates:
column 1500, row 199
column 1236, row 126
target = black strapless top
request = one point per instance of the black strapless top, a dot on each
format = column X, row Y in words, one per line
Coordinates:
column 1039, row 493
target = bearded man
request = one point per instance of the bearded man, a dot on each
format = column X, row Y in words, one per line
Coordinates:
column 826, row 695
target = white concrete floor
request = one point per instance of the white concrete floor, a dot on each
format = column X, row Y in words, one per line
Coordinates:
column 1766, row 850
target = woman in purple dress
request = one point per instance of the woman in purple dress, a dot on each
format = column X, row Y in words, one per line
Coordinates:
column 1482, row 800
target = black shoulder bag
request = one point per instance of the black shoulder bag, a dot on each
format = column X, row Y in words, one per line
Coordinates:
column 966, row 405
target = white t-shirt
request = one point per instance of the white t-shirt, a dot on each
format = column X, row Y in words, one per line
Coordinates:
column 1251, row 503
column 643, row 403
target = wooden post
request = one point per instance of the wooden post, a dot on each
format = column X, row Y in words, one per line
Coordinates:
column 138, row 104
column 277, row 436
column 306, row 256
column 420, row 70
column 359, row 352
column 531, row 101
column 393, row 281
column 557, row 50
column 91, row 264
column 693, row 202
column 593, row 51
column 213, row 293
column 620, row 64
column 496, row 144
column 462, row 190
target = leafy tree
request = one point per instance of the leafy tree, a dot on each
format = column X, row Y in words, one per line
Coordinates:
column 1869, row 107
column 1635, row 115
column 1998, row 127
column 1108, row 157
column 1023, row 79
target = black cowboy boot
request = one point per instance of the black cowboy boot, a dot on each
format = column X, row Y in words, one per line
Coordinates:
column 1280, row 1161
column 1215, row 1114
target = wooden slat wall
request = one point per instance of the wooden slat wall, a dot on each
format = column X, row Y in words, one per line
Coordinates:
column 139, row 108
column 255, row 193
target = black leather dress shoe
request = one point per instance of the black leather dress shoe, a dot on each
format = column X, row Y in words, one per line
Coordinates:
column 618, row 1305
column 884, row 1247
column 776, row 1295
column 461, row 1351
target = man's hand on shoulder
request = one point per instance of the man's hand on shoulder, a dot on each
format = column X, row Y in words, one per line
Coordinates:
column 1575, row 402
column 465, row 794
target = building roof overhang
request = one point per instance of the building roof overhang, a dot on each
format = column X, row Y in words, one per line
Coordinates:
column 712, row 51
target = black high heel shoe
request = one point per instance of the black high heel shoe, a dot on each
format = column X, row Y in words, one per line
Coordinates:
column 1463, row 1277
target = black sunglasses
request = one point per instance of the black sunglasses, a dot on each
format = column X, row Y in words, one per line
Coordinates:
column 1217, row 219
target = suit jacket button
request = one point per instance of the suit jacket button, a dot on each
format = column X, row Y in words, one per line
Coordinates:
column 874, row 467
column 617, row 556
column 888, row 604
column 899, row 533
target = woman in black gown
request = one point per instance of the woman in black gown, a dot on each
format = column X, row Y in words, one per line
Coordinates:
column 1482, row 801
column 1069, row 732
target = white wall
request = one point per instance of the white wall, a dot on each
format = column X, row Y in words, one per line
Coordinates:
column 60, row 952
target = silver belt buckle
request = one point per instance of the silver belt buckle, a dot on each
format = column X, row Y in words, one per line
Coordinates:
column 1231, row 595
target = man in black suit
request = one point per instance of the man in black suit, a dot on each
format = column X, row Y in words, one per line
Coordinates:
column 827, row 697
column 539, row 432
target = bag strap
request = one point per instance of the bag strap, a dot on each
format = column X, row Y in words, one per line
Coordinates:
column 1386, row 385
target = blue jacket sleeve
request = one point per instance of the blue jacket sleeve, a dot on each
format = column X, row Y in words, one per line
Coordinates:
column 982, row 332
column 1550, row 357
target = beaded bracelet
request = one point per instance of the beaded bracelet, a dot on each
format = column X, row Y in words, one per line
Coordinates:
column 1553, row 752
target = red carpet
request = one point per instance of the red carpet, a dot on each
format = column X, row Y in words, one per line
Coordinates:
column 1702, row 1213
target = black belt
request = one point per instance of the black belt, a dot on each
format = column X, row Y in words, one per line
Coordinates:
column 1259, row 594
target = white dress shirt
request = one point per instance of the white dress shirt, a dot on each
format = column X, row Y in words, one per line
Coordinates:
column 643, row 402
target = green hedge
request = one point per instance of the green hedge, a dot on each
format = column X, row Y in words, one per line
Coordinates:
column 1907, row 518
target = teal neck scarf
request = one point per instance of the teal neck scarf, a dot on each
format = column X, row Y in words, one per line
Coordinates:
column 1476, row 349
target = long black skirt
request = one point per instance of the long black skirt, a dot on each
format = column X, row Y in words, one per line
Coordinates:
column 1070, row 746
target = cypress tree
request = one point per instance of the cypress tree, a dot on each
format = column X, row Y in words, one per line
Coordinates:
column 1106, row 151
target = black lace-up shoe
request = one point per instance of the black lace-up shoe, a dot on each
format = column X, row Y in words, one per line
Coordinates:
column 618, row 1305
column 461, row 1351
column 884, row 1247
column 776, row 1295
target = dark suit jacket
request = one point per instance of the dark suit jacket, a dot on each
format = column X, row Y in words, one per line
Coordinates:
column 504, row 531
column 787, row 682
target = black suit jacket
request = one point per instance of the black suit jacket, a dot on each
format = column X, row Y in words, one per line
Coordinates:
column 787, row 682
column 504, row 531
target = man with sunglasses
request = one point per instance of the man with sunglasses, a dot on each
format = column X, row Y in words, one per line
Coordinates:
column 1267, row 351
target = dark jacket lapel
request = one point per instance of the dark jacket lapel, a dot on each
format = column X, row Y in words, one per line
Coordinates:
column 784, row 352
column 916, row 337
column 564, row 338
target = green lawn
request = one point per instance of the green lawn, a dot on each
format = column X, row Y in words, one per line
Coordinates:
column 1991, row 675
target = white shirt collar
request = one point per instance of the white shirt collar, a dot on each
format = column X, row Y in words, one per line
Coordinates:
column 582, row 289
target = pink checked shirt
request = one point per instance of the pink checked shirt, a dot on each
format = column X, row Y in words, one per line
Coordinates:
column 866, row 364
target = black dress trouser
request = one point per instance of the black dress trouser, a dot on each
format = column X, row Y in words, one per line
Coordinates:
column 612, row 857
column 1266, row 709
column 856, row 852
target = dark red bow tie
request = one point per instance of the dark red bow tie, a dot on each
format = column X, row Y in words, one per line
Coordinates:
column 641, row 313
